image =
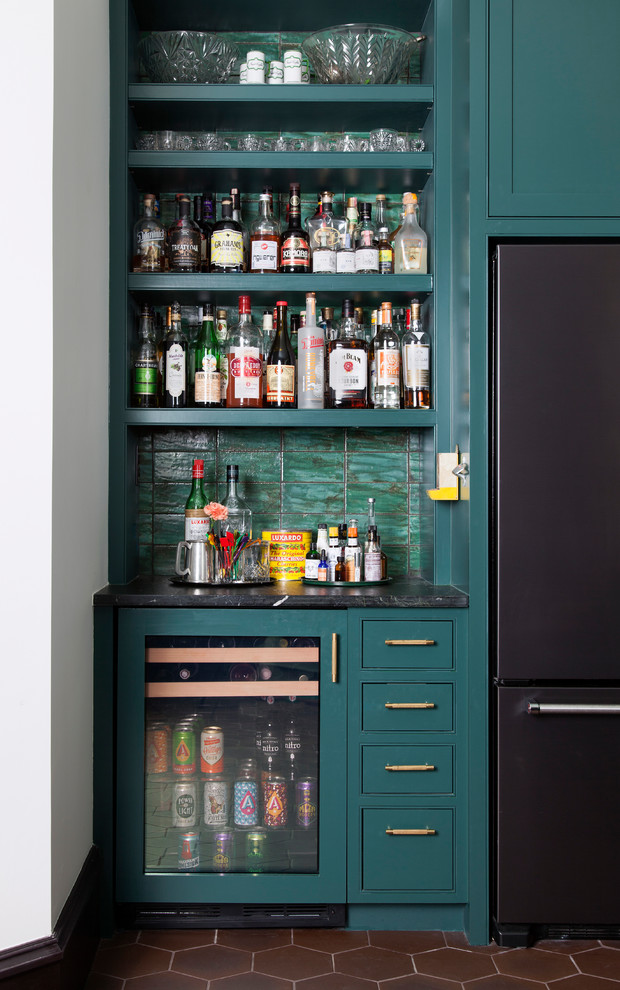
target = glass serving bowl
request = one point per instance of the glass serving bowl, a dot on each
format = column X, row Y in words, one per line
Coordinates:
column 360, row 53
column 186, row 57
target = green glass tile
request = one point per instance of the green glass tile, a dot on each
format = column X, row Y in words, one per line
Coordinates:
column 248, row 438
column 426, row 528
column 145, row 558
column 416, row 439
column 176, row 465
column 313, row 498
column 145, row 498
column 254, row 465
column 415, row 467
column 145, row 466
column 392, row 529
column 320, row 467
column 376, row 439
column 145, row 528
column 164, row 559
column 415, row 529
column 397, row 560
column 313, row 439
column 377, row 467
column 263, row 522
column 415, row 560
column 196, row 440
column 168, row 528
column 309, row 521
column 170, row 498
column 145, row 440
column 390, row 498
column 418, row 499
column 262, row 498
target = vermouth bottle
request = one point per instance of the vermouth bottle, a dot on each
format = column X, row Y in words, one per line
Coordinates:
column 207, row 388
column 416, row 350
column 280, row 380
column 145, row 366
column 244, row 354
column 149, row 240
column 347, row 364
column 184, row 239
column 175, row 362
column 295, row 249
column 227, row 242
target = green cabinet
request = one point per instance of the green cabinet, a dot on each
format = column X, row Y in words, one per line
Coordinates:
column 554, row 113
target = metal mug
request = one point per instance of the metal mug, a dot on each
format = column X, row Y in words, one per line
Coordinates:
column 194, row 562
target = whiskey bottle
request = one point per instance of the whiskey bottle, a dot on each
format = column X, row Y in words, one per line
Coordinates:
column 311, row 360
column 203, row 218
column 280, row 380
column 149, row 240
column 184, row 240
column 235, row 196
column 207, row 385
column 347, row 364
column 196, row 523
column 227, row 242
column 416, row 351
column 244, row 357
column 145, row 369
column 410, row 242
column 386, row 358
column 366, row 251
column 175, row 362
column 264, row 238
column 295, row 249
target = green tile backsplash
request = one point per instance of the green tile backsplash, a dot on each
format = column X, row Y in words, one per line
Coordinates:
column 291, row 479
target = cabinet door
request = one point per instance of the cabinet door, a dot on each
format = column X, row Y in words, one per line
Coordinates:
column 202, row 814
column 554, row 113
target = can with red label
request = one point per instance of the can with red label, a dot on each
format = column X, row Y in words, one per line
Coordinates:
column 189, row 855
column 275, row 812
column 157, row 747
column 183, row 750
column 212, row 749
column 306, row 802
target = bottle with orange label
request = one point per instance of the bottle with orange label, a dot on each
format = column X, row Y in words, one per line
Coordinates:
column 385, row 362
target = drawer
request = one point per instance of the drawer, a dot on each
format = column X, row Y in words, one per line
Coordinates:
column 407, row 643
column 434, row 714
column 408, row 861
column 414, row 769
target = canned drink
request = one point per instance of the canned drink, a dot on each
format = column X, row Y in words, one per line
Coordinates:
column 157, row 748
column 212, row 749
column 255, row 850
column 216, row 800
column 189, row 855
column 183, row 750
column 306, row 801
column 246, row 801
column 223, row 854
column 184, row 803
column 274, row 802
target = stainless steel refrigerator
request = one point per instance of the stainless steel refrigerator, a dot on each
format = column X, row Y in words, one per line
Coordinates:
column 556, row 609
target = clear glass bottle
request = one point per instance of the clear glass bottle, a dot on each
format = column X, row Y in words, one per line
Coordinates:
column 264, row 238
column 281, row 392
column 145, row 364
column 366, row 251
column 326, row 232
column 244, row 361
column 196, row 523
column 311, row 360
column 207, row 383
column 184, row 240
column 347, row 364
column 345, row 254
column 239, row 519
column 149, row 239
column 386, row 357
column 175, row 362
column 227, row 242
column 384, row 247
column 416, row 354
column 410, row 242
column 328, row 323
column 372, row 557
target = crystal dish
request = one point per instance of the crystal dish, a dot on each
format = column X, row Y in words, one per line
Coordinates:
column 186, row 57
column 360, row 53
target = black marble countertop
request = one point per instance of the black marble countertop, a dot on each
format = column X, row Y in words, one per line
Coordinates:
column 160, row 592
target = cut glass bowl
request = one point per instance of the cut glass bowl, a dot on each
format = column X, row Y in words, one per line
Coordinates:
column 360, row 53
column 186, row 57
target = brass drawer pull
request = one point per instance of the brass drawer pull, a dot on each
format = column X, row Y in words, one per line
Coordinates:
column 425, row 766
column 410, row 642
column 409, row 704
column 411, row 831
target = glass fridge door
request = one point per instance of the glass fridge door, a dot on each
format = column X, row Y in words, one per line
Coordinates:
column 230, row 779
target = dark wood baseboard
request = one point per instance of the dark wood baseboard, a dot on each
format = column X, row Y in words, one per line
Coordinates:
column 62, row 960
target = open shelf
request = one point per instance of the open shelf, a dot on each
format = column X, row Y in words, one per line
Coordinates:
column 289, row 418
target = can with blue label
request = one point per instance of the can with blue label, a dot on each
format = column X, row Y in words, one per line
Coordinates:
column 246, row 799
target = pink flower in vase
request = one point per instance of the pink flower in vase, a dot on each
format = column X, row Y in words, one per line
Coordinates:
column 215, row 510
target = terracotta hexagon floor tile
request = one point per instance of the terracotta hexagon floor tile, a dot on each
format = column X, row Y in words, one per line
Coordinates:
column 254, row 939
column 211, row 961
column 501, row 982
column 583, row 982
column 293, row 962
column 419, row 982
column 408, row 941
column 131, row 960
column 165, row 981
column 250, row 981
column 120, row 938
column 329, row 939
column 175, row 938
column 568, row 947
column 98, row 981
column 458, row 940
column 373, row 963
column 336, row 981
column 600, row 962
column 535, row 964
column 455, row 964
column 613, row 943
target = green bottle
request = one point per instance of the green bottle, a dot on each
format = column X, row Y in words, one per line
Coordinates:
column 313, row 557
column 207, row 379
column 196, row 523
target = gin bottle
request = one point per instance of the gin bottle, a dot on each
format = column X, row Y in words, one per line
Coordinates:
column 175, row 362
column 264, row 238
column 145, row 365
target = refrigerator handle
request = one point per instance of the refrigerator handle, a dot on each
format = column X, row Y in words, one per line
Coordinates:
column 536, row 708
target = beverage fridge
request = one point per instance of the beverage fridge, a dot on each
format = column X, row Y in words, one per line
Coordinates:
column 556, row 561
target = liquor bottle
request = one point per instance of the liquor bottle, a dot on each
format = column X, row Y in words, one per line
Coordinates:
column 264, row 238
column 164, row 329
column 416, row 352
column 366, row 251
column 203, row 218
column 372, row 557
column 323, row 569
column 207, row 385
column 244, row 361
column 294, row 332
column 235, row 196
column 333, row 552
column 312, row 562
column 175, row 362
column 386, row 356
column 311, row 360
column 184, row 240
column 410, row 243
column 371, row 519
column 226, row 242
column 292, row 737
column 196, row 523
column 352, row 554
column 345, row 254
column 339, row 569
column 347, row 364
column 149, row 240
column 384, row 247
column 221, row 333
column 325, row 232
column 145, row 369
column 281, row 366
column 239, row 519
column 294, row 250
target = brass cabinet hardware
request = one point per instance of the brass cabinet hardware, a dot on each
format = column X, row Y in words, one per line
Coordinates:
column 334, row 657
column 409, row 704
column 411, row 831
column 425, row 766
column 410, row 642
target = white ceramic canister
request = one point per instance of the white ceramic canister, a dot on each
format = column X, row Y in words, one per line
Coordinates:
column 256, row 67
column 292, row 66
column 243, row 73
column 276, row 73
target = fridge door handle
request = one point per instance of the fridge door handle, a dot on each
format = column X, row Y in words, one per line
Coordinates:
column 538, row 708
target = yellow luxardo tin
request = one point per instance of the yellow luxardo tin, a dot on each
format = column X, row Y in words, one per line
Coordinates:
column 287, row 553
